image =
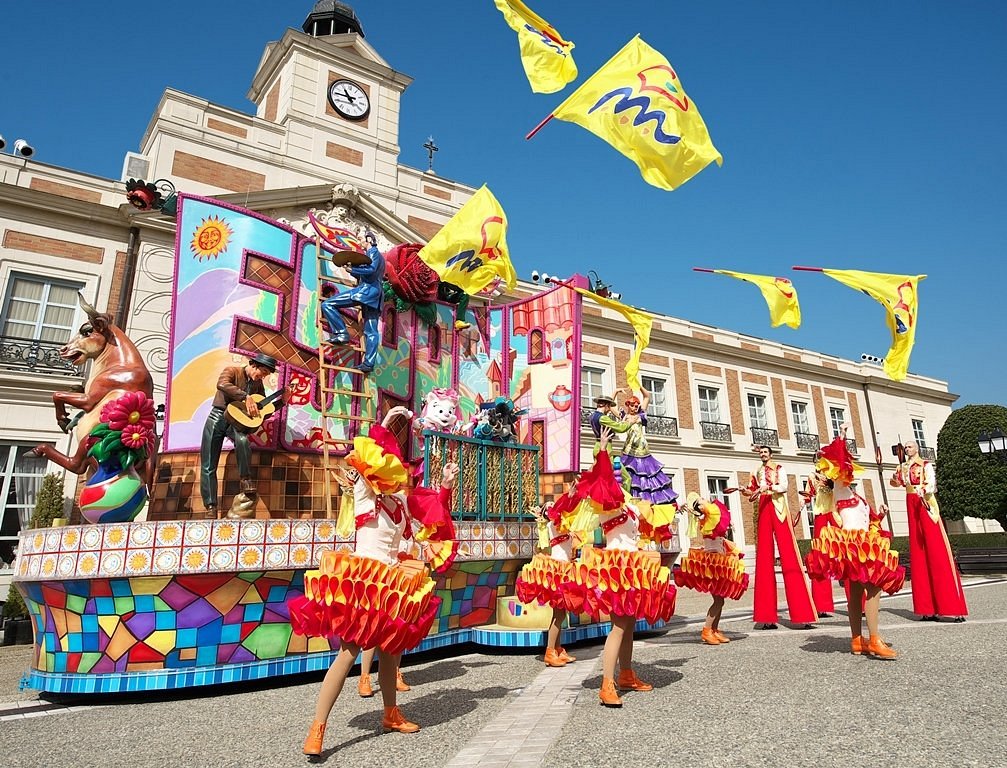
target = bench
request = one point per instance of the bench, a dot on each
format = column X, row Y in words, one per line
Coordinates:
column 982, row 560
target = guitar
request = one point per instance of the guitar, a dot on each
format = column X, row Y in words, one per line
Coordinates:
column 239, row 418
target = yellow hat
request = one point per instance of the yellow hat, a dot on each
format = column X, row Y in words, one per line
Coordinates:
column 691, row 499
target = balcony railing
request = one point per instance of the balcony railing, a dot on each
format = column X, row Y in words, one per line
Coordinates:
column 807, row 441
column 716, row 431
column 496, row 481
column 929, row 454
column 665, row 426
column 34, row 356
column 765, row 436
column 851, row 445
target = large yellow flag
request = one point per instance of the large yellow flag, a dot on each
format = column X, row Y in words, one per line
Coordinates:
column 471, row 249
column 898, row 294
column 638, row 105
column 779, row 293
column 547, row 58
column 642, row 324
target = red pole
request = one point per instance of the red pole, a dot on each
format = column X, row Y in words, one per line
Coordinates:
column 538, row 127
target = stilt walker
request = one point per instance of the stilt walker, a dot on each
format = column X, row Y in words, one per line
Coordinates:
column 937, row 587
column 768, row 491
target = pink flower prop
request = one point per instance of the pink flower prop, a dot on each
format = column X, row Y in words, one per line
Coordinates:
column 135, row 437
column 134, row 409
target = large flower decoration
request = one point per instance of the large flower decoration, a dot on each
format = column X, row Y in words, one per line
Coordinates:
column 125, row 435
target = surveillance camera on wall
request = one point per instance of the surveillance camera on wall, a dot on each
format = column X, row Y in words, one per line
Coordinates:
column 535, row 276
column 23, row 148
column 3, row 142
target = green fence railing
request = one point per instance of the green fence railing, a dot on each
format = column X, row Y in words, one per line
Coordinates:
column 496, row 481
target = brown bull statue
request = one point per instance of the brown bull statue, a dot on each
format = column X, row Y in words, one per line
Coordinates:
column 116, row 369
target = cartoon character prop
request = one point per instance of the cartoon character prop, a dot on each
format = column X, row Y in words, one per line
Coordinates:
column 367, row 294
column 497, row 421
column 440, row 411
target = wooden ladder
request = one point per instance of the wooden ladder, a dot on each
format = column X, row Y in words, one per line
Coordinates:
column 346, row 393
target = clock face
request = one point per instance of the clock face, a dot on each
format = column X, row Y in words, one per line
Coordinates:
column 349, row 100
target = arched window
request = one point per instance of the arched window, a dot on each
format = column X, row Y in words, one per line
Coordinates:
column 434, row 343
column 389, row 331
column 536, row 346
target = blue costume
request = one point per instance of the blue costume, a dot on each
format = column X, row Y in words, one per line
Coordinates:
column 366, row 294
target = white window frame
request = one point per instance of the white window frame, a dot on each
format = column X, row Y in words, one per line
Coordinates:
column 587, row 388
column 736, row 532
column 658, row 395
column 715, row 401
column 808, row 427
column 9, row 454
column 47, row 284
column 749, row 396
column 919, row 434
column 833, row 422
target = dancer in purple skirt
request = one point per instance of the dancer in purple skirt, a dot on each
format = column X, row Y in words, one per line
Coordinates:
column 647, row 480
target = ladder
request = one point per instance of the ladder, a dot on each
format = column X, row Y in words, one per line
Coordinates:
column 346, row 394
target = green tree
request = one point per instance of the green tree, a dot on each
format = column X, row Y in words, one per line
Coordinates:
column 48, row 506
column 969, row 483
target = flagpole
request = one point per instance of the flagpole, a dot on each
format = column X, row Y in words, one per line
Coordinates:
column 808, row 269
column 581, row 87
column 539, row 127
column 702, row 269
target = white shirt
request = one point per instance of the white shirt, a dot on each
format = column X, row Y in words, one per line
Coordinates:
column 380, row 538
column 562, row 551
column 855, row 517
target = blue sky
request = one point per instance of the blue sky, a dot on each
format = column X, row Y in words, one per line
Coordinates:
column 855, row 135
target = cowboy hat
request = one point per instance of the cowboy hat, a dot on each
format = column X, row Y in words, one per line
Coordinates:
column 266, row 361
column 604, row 399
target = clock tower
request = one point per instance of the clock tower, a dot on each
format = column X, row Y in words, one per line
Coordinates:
column 336, row 97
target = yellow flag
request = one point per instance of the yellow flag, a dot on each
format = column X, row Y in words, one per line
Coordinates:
column 638, row 105
column 471, row 249
column 898, row 294
column 547, row 58
column 779, row 293
column 642, row 324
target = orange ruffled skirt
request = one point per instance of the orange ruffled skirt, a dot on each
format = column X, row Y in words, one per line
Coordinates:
column 621, row 583
column 720, row 574
column 366, row 603
column 542, row 581
column 855, row 554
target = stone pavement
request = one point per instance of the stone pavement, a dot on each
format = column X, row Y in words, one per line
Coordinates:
column 785, row 697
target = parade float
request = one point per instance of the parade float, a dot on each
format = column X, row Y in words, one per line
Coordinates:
column 151, row 595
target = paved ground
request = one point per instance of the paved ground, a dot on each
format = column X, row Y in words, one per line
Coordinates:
column 785, row 697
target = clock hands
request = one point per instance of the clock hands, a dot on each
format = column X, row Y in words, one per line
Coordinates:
column 346, row 95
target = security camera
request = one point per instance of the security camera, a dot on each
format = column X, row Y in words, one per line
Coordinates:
column 546, row 277
column 535, row 276
column 23, row 148
column 3, row 142
column 615, row 296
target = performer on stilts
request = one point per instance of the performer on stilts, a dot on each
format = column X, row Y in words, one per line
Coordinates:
column 937, row 587
column 369, row 598
column 768, row 492
column 855, row 551
column 619, row 580
column 712, row 565
column 543, row 578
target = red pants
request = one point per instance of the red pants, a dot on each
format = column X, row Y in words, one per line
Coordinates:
column 937, row 588
column 795, row 581
column 821, row 589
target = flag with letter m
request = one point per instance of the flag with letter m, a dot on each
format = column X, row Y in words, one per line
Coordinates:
column 546, row 57
column 637, row 104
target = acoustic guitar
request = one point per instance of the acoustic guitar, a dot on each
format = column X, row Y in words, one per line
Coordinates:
column 239, row 418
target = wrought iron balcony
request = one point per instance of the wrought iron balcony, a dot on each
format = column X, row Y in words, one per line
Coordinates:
column 851, row 446
column 34, row 356
column 806, row 441
column 765, row 436
column 585, row 415
column 665, row 426
column 929, row 454
column 716, row 431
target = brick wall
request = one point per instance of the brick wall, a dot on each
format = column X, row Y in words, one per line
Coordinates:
column 50, row 246
column 228, row 128
column 426, row 228
column 824, row 428
column 272, row 102
column 780, row 406
column 344, row 154
column 734, row 400
column 65, row 190
column 683, row 391
column 594, row 348
column 216, row 174
column 443, row 194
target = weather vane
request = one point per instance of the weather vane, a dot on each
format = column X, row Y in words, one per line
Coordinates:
column 430, row 147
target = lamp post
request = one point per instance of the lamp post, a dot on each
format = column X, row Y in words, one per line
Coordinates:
column 994, row 444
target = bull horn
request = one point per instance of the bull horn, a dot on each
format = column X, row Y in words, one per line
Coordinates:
column 91, row 311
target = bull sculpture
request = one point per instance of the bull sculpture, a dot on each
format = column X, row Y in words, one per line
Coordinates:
column 116, row 370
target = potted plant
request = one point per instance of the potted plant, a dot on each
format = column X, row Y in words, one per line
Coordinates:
column 48, row 507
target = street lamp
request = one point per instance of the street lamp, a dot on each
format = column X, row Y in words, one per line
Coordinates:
column 994, row 443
